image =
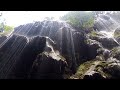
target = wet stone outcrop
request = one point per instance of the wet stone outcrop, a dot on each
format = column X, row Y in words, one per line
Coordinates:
column 2, row 39
column 46, row 67
column 49, row 64
column 92, row 50
column 80, row 46
column 23, row 55
column 54, row 49
column 106, row 42
column 43, row 28
column 32, row 58
column 105, row 22
column 10, row 52
column 115, row 53
column 93, row 75
column 117, row 34
column 113, row 70
column 23, row 64
column 97, row 69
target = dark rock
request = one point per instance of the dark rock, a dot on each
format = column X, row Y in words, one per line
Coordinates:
column 113, row 70
column 49, row 64
column 65, row 44
column 93, row 46
column 106, row 54
column 31, row 55
column 115, row 53
column 2, row 39
column 10, row 52
column 117, row 34
column 108, row 43
column 23, row 63
column 9, row 47
column 93, row 75
column 46, row 67
column 105, row 22
column 43, row 28
column 80, row 46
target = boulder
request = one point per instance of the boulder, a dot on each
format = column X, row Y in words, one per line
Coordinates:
column 47, row 67
column 115, row 53
column 113, row 70
column 106, row 42
column 10, row 52
column 49, row 64
column 21, row 56
column 93, row 75
column 80, row 46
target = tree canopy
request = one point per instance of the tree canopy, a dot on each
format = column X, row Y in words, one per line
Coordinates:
column 4, row 29
column 80, row 19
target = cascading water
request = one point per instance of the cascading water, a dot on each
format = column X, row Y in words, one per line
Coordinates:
column 55, row 42
column 20, row 41
column 107, row 26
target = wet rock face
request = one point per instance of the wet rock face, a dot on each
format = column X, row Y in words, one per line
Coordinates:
column 85, row 47
column 18, row 54
column 114, row 71
column 81, row 37
column 45, row 67
column 49, row 64
column 115, row 53
column 65, row 43
column 105, row 22
column 106, row 54
column 63, row 40
column 2, row 38
column 93, row 46
column 109, row 69
column 80, row 46
column 12, row 43
column 42, row 50
column 108, row 43
column 10, row 53
column 93, row 75
column 24, row 63
column 117, row 34
column 34, row 44
column 44, row 28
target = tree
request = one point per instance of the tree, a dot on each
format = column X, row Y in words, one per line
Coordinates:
column 1, row 23
column 79, row 19
column 4, row 29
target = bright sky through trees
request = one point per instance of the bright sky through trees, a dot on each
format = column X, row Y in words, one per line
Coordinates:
column 15, row 18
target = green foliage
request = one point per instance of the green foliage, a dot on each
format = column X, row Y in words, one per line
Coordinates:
column 82, row 69
column 117, row 34
column 93, row 33
column 4, row 29
column 7, row 30
column 115, row 51
column 80, row 19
